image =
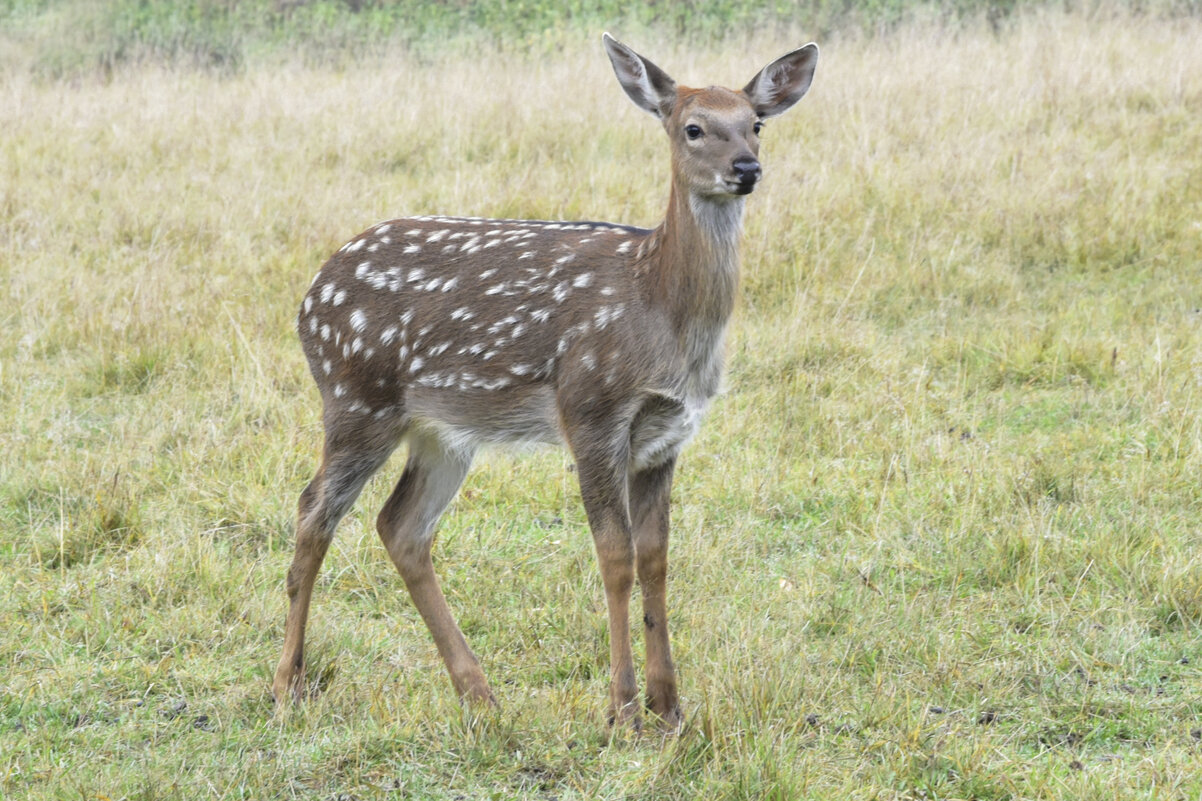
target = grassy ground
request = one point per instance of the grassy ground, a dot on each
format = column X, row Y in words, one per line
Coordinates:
column 941, row 539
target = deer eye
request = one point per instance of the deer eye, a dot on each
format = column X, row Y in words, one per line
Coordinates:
column 692, row 131
column 759, row 126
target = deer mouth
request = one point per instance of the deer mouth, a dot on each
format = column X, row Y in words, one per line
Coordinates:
column 736, row 187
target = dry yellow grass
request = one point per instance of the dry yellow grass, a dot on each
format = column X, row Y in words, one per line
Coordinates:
column 957, row 467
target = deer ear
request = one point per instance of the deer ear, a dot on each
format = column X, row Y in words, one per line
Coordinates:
column 648, row 86
column 783, row 82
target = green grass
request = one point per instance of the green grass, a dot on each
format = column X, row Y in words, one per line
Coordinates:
column 942, row 537
column 68, row 37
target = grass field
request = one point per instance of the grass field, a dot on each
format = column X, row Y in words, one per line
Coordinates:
column 941, row 538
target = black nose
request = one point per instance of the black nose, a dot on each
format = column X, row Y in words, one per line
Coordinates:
column 747, row 170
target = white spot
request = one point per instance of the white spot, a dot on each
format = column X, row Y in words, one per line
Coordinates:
column 340, row 297
column 462, row 313
column 312, row 325
column 373, row 247
column 528, row 254
column 624, row 247
column 326, row 366
column 520, row 369
column 540, row 315
column 432, row 284
column 339, row 390
column 308, row 303
column 388, row 335
column 439, row 348
column 491, row 384
column 325, row 332
column 470, row 244
column 583, row 280
column 566, row 259
column 488, row 274
column 415, row 274
column 495, row 289
column 357, row 345
column 499, row 324
column 406, row 316
column 358, row 320
column 327, row 292
column 383, row 229
column 418, row 361
column 607, row 314
column 356, row 245
column 560, row 292
column 413, row 232
column 438, row 235
column 450, row 284
column 412, row 248
column 608, row 290
column 403, row 352
column 589, row 361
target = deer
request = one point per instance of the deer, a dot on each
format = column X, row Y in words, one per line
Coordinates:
column 453, row 334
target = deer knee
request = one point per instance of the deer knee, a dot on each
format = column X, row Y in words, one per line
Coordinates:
column 652, row 561
column 410, row 552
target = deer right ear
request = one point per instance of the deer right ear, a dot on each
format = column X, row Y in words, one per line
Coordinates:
column 648, row 86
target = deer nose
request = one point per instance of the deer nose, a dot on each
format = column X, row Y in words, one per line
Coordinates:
column 747, row 170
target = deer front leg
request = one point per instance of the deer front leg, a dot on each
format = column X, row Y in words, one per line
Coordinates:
column 603, row 490
column 615, row 554
column 649, row 501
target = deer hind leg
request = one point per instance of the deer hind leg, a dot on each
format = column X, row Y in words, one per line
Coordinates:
column 432, row 476
column 345, row 468
column 649, row 502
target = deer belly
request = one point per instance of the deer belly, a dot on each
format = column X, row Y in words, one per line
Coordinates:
column 661, row 429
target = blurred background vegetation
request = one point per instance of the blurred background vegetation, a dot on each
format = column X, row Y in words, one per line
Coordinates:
column 64, row 38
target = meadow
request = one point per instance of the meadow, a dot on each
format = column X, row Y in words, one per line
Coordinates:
column 940, row 538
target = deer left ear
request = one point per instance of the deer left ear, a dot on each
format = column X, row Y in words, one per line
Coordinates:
column 783, row 82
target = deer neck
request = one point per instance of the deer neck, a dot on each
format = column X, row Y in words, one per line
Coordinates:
column 693, row 268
